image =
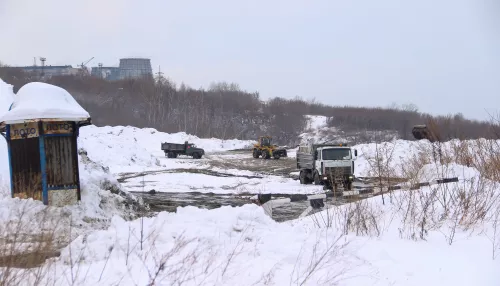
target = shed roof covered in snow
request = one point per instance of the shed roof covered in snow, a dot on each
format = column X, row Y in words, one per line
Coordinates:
column 39, row 101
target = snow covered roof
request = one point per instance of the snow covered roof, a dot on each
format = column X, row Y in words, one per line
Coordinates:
column 39, row 100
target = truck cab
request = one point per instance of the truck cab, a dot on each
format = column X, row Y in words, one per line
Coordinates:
column 338, row 161
column 330, row 165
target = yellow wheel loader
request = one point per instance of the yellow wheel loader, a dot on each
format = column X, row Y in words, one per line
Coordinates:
column 265, row 149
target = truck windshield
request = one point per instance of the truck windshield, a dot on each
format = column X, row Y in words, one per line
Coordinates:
column 336, row 154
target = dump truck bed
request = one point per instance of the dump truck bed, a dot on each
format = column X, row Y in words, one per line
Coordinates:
column 172, row 146
column 305, row 161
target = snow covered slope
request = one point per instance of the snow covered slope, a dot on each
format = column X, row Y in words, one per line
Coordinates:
column 122, row 146
column 242, row 246
column 317, row 130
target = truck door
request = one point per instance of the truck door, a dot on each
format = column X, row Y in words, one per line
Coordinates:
column 319, row 162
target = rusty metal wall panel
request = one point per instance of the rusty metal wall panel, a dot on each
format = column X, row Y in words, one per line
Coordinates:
column 61, row 161
column 26, row 168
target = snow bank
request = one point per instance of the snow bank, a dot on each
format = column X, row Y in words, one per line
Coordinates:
column 120, row 146
column 6, row 99
column 399, row 155
column 40, row 100
column 242, row 246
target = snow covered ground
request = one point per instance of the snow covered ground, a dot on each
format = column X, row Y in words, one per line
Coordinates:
column 242, row 246
column 443, row 235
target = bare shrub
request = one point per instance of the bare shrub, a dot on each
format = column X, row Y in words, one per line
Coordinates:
column 31, row 234
column 360, row 217
column 331, row 255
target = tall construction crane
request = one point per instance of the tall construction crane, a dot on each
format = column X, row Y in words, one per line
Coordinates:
column 83, row 67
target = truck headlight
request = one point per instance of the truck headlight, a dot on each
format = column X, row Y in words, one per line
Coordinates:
column 325, row 178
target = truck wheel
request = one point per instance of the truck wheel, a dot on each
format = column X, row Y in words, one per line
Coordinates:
column 304, row 180
column 265, row 154
column 196, row 156
column 171, row 155
column 317, row 181
column 349, row 186
column 276, row 156
column 256, row 153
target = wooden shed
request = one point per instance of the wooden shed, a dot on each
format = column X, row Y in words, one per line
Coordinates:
column 41, row 129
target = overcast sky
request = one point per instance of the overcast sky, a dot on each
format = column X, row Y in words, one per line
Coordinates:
column 443, row 56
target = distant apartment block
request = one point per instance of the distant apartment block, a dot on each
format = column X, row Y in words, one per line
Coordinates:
column 129, row 68
column 107, row 73
column 49, row 71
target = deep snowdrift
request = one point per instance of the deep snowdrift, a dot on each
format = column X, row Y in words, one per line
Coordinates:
column 6, row 99
column 242, row 246
column 122, row 146
column 6, row 96
column 398, row 156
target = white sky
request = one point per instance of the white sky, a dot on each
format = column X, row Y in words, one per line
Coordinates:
column 443, row 56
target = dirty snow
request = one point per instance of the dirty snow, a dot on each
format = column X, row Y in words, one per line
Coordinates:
column 127, row 148
column 203, row 183
column 242, row 246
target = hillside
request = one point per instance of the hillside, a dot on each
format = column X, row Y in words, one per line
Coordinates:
column 225, row 111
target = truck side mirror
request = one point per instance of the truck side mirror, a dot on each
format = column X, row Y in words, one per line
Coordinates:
column 355, row 153
column 315, row 155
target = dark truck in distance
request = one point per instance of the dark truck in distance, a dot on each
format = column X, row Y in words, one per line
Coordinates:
column 172, row 150
column 331, row 165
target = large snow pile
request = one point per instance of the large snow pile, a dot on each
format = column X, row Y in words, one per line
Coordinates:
column 379, row 244
column 398, row 157
column 6, row 99
column 120, row 146
column 41, row 100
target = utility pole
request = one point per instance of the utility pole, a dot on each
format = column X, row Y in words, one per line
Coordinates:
column 160, row 75
column 43, row 65
column 100, row 70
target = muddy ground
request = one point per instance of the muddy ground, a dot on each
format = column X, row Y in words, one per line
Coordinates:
column 239, row 160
